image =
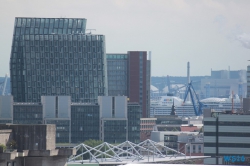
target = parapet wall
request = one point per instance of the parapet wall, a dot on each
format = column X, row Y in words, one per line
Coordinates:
column 32, row 137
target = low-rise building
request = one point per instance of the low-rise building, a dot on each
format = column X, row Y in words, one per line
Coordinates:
column 112, row 119
column 147, row 126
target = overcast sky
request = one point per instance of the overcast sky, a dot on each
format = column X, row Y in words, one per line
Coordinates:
column 210, row 34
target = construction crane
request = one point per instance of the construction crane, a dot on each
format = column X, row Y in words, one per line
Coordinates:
column 173, row 91
column 3, row 84
column 195, row 100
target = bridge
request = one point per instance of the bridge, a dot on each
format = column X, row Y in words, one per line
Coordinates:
column 147, row 151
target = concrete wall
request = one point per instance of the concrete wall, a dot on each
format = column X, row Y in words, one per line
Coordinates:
column 64, row 106
column 120, row 106
column 49, row 106
column 5, row 136
column 41, row 161
column 105, row 103
column 6, row 107
column 33, row 137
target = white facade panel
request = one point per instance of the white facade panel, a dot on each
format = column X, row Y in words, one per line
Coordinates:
column 64, row 106
column 209, row 150
column 49, row 106
column 242, row 140
column 209, row 119
column 121, row 107
column 209, row 139
column 209, row 129
column 105, row 103
column 234, row 118
column 234, row 151
column 234, row 129
column 6, row 107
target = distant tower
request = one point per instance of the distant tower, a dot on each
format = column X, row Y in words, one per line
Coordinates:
column 207, row 90
column 188, row 78
column 173, row 109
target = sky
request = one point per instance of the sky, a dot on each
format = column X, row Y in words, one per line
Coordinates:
column 210, row 34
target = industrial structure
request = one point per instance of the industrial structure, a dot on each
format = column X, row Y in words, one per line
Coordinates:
column 127, row 152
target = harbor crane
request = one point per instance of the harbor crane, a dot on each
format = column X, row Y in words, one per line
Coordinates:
column 195, row 100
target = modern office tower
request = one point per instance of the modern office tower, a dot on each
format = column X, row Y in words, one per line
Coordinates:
column 138, row 88
column 117, row 71
column 55, row 57
column 129, row 75
column 226, row 138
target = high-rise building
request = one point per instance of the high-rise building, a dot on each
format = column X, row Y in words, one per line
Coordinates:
column 117, row 71
column 55, row 57
column 129, row 75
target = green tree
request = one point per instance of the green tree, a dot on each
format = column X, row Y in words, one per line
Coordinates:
column 2, row 148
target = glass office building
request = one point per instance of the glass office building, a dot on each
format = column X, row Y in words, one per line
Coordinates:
column 129, row 75
column 54, row 56
column 117, row 74
column 85, row 120
column 134, row 116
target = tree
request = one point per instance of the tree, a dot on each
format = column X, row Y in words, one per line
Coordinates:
column 2, row 148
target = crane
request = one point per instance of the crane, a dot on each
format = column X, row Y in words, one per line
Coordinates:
column 3, row 86
column 196, row 103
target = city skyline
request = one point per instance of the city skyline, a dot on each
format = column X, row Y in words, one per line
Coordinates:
column 208, row 34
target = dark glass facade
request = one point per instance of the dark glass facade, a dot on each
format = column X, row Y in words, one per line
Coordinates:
column 171, row 141
column 84, row 123
column 27, row 113
column 62, row 130
column 53, row 56
column 117, row 74
column 134, row 115
column 115, row 131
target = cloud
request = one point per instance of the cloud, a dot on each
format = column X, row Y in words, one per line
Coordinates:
column 244, row 39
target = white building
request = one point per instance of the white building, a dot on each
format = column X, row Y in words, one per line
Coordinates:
column 226, row 136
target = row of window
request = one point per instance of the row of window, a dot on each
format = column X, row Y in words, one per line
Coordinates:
column 227, row 134
column 222, row 123
column 28, row 49
column 227, row 145
column 50, row 22
column 60, row 37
